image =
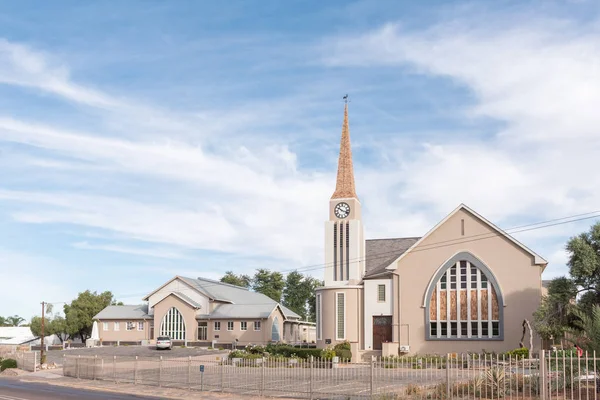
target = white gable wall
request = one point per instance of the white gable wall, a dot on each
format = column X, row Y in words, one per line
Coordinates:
column 178, row 286
column 374, row 307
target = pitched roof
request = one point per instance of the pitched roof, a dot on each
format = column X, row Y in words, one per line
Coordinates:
column 344, row 186
column 382, row 252
column 186, row 299
column 241, row 311
column 15, row 335
column 235, row 295
column 537, row 259
column 139, row 311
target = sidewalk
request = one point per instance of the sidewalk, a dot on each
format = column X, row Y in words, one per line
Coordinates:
column 139, row 390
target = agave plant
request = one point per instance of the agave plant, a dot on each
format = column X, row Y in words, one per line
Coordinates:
column 495, row 382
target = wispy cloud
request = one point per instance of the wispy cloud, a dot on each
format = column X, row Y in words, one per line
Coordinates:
column 152, row 252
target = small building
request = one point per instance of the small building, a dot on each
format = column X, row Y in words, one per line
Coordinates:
column 206, row 311
column 15, row 336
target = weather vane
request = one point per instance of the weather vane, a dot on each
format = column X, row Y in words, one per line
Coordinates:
column 345, row 99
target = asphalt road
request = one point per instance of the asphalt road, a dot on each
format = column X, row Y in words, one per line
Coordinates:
column 16, row 390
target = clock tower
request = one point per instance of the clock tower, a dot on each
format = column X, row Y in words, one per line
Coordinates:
column 344, row 237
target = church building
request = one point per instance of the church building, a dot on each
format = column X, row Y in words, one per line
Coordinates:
column 465, row 286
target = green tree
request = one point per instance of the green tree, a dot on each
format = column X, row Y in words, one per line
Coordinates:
column 79, row 313
column 311, row 284
column 584, row 266
column 52, row 326
column 587, row 329
column 295, row 294
column 555, row 315
column 269, row 283
column 238, row 280
column 15, row 320
column 3, row 321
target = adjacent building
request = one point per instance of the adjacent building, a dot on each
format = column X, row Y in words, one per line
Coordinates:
column 465, row 285
column 204, row 311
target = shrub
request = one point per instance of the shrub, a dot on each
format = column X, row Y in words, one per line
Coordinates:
column 413, row 390
column 342, row 346
column 290, row 351
column 237, row 354
column 327, row 354
column 255, row 349
column 519, row 354
column 8, row 363
column 342, row 350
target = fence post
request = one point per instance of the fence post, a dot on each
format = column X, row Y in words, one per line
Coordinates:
column 448, row 388
column 310, row 377
column 78, row 362
column 64, row 364
column 34, row 361
column 262, row 379
column 542, row 378
column 222, row 371
column 94, row 368
column 115, row 368
column 160, row 371
column 189, row 378
column 135, row 368
column 371, row 378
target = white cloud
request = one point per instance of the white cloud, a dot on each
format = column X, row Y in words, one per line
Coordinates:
column 150, row 252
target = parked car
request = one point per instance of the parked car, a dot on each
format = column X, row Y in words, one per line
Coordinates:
column 164, row 342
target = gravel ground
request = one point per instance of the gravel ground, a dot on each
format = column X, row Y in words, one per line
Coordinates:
column 56, row 356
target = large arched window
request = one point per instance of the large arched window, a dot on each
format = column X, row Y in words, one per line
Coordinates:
column 173, row 325
column 464, row 302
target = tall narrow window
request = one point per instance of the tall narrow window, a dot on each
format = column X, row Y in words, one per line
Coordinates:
column 335, row 251
column 341, row 316
column 275, row 330
column 173, row 325
column 347, row 250
column 318, row 312
column 342, row 252
column 381, row 293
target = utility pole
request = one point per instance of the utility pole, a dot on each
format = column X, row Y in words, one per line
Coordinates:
column 42, row 342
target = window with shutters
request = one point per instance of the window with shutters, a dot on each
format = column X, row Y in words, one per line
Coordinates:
column 340, row 316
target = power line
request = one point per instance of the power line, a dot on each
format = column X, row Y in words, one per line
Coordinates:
column 431, row 246
column 446, row 243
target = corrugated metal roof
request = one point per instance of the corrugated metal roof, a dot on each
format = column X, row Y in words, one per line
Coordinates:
column 15, row 335
column 236, row 295
column 244, row 303
column 139, row 311
column 242, row 311
column 187, row 299
column 380, row 253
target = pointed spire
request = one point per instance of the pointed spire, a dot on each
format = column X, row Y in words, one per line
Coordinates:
column 344, row 187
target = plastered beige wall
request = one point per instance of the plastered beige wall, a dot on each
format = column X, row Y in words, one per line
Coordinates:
column 519, row 280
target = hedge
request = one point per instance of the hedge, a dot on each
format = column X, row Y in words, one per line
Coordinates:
column 8, row 363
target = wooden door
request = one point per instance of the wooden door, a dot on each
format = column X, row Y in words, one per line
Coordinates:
column 382, row 330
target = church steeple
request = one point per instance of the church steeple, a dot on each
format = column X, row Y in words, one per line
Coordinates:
column 344, row 186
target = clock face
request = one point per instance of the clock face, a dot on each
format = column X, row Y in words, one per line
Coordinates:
column 342, row 210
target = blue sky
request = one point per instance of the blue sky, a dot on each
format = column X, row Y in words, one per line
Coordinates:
column 140, row 140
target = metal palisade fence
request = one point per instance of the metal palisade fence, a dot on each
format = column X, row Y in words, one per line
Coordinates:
column 556, row 375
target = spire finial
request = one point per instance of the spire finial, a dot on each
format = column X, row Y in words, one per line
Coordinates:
column 344, row 187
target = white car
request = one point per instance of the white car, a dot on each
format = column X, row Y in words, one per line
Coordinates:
column 164, row 342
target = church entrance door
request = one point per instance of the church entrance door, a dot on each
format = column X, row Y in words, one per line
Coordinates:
column 382, row 330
